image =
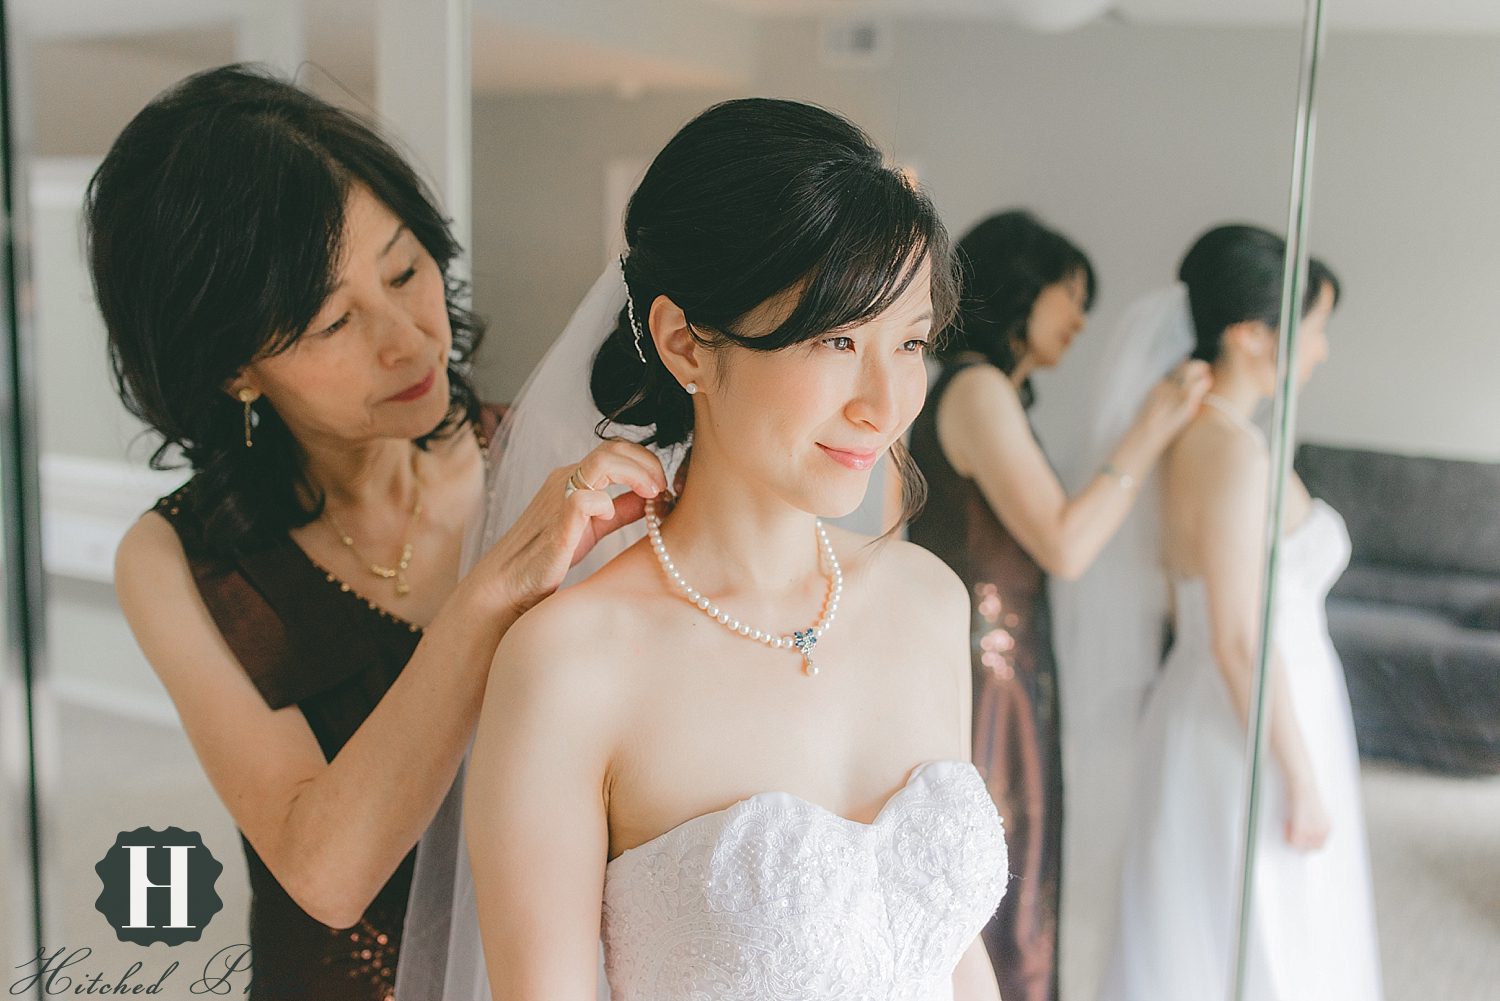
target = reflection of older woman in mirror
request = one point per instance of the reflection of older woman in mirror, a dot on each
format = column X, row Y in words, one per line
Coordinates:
column 998, row 515
column 275, row 282
column 1312, row 931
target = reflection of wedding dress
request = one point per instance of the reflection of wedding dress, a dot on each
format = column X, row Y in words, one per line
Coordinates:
column 1312, row 919
column 777, row 898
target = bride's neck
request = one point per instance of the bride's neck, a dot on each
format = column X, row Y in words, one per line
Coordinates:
column 726, row 535
column 1237, row 388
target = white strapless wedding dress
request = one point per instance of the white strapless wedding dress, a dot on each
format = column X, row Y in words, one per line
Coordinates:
column 1313, row 919
column 778, row 899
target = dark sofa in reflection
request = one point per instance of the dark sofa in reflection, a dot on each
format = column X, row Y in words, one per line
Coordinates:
column 1416, row 619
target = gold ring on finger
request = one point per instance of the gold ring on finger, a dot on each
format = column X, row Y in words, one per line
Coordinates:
column 576, row 482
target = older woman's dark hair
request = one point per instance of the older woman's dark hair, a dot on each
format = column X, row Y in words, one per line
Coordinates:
column 215, row 230
column 752, row 199
column 1006, row 261
column 1234, row 275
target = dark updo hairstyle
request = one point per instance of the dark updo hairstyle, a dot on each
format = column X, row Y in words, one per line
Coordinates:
column 1234, row 275
column 1006, row 261
column 752, row 199
column 215, row 233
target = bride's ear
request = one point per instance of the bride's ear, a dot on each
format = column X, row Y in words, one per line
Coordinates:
column 1253, row 338
column 680, row 351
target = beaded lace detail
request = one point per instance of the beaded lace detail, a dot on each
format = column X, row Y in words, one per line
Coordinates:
column 778, row 899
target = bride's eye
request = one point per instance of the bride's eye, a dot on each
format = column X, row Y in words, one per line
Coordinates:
column 839, row 343
column 915, row 346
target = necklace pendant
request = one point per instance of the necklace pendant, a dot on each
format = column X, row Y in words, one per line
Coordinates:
column 402, row 587
column 804, row 640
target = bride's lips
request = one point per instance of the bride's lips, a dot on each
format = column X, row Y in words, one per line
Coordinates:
column 850, row 458
column 415, row 391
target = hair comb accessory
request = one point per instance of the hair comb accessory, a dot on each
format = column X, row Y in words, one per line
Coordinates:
column 635, row 326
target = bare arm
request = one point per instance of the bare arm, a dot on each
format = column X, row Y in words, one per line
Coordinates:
column 535, row 813
column 1231, row 550
column 974, row 976
column 984, row 434
column 333, row 832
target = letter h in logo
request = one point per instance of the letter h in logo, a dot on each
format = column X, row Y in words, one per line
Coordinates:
column 176, row 885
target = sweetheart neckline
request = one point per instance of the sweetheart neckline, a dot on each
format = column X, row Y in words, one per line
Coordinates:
column 793, row 799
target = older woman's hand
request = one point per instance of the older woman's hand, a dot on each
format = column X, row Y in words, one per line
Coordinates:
column 1174, row 401
column 561, row 525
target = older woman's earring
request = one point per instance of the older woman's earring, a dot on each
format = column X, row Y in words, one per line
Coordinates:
column 692, row 388
column 248, row 397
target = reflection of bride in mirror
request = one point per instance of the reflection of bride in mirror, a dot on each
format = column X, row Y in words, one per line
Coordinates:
column 745, row 815
column 1312, row 932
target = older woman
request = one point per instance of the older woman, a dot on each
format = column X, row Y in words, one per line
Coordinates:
column 275, row 282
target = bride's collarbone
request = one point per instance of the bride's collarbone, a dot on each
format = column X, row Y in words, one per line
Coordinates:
column 874, row 621
column 716, row 718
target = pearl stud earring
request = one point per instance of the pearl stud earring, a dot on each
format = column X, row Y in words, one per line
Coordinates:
column 692, row 388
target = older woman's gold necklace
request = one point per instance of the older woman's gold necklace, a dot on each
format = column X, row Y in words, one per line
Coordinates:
column 397, row 572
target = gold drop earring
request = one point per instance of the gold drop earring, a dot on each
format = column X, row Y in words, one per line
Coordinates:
column 248, row 397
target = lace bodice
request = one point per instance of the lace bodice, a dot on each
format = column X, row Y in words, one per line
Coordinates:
column 778, row 899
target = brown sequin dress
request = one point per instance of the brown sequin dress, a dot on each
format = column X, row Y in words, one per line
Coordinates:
column 1016, row 731
column 308, row 639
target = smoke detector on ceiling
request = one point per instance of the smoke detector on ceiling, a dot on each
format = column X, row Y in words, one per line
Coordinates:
column 855, row 41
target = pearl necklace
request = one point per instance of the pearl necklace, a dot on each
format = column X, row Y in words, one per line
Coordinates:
column 802, row 640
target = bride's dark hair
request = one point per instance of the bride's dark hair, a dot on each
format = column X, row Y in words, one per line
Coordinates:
column 1233, row 274
column 752, row 199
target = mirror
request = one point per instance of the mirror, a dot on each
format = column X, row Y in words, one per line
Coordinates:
column 1393, row 432
column 110, row 754
column 1130, row 131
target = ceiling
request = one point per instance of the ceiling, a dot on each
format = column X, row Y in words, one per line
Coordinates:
column 548, row 45
column 113, row 16
column 1384, row 15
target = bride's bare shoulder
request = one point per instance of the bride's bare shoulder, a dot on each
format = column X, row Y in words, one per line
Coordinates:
column 901, row 573
column 1211, row 455
column 585, row 629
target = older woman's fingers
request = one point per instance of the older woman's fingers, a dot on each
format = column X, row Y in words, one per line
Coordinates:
column 594, row 514
column 622, row 464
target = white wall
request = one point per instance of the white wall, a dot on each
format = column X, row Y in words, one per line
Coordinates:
column 1406, row 208
column 540, row 166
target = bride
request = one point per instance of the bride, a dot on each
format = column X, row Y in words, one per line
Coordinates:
column 740, row 749
column 1311, row 923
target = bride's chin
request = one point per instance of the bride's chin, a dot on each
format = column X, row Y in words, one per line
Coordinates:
column 836, row 503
